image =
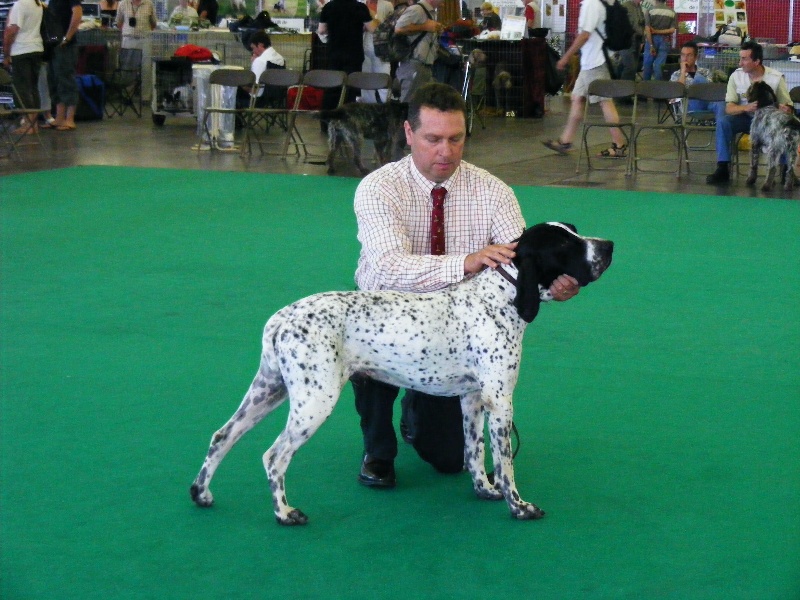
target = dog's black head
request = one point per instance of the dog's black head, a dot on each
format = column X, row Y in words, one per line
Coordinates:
column 548, row 250
column 763, row 94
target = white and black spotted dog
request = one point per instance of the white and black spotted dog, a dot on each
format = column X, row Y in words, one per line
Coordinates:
column 774, row 132
column 465, row 340
column 352, row 123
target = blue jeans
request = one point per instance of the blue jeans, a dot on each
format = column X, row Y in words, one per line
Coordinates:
column 653, row 64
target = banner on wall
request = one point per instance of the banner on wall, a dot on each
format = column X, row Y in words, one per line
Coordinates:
column 554, row 15
column 731, row 12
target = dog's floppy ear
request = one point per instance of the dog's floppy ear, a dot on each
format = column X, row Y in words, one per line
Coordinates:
column 571, row 227
column 527, row 300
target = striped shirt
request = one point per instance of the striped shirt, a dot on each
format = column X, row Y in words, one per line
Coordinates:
column 661, row 18
column 393, row 208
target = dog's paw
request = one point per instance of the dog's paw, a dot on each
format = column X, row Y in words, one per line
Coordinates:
column 293, row 517
column 487, row 489
column 525, row 511
column 201, row 496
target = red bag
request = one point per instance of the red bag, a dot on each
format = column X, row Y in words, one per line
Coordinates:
column 311, row 100
column 194, row 53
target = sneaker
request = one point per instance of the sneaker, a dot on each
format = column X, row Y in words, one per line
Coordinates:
column 557, row 146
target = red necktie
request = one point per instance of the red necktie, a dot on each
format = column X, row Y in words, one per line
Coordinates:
column 437, row 220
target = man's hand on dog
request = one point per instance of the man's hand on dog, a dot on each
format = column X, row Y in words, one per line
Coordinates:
column 563, row 288
column 490, row 256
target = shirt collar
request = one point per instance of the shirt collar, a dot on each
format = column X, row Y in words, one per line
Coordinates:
column 426, row 185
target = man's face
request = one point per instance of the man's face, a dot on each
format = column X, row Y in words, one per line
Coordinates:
column 746, row 61
column 688, row 56
column 258, row 49
column 438, row 143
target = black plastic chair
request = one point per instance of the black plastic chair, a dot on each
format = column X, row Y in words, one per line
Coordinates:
column 124, row 84
column 258, row 119
column 235, row 78
column 615, row 89
column 696, row 123
column 660, row 92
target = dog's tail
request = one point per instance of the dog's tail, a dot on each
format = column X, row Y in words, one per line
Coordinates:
column 332, row 114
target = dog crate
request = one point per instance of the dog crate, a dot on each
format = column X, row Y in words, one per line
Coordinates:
column 173, row 92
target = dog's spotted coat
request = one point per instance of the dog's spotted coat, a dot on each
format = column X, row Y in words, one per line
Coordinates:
column 465, row 340
column 352, row 123
column 774, row 132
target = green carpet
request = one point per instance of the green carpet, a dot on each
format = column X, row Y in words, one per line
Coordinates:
column 659, row 410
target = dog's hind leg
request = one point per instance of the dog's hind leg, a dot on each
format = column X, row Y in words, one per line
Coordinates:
column 311, row 405
column 789, row 176
column 266, row 393
column 474, row 447
column 334, row 142
column 772, row 169
column 355, row 139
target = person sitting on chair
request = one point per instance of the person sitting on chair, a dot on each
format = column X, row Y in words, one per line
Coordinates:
column 688, row 74
column 737, row 113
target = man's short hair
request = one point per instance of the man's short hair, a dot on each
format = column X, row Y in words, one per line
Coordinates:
column 438, row 96
column 693, row 45
column 260, row 37
column 756, row 51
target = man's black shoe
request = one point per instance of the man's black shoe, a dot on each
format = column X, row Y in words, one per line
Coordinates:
column 376, row 472
column 719, row 177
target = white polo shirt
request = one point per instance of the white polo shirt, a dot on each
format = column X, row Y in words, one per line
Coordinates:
column 591, row 19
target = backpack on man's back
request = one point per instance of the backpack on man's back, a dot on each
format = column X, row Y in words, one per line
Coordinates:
column 619, row 31
column 391, row 47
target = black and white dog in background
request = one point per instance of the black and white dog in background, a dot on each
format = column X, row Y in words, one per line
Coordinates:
column 774, row 132
column 465, row 340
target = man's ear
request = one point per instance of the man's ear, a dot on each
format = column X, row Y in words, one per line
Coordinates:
column 527, row 300
column 409, row 132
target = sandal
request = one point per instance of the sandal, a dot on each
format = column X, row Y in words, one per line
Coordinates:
column 558, row 146
column 615, row 151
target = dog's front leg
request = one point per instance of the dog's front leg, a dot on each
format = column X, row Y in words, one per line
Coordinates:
column 755, row 152
column 500, row 421
column 475, row 449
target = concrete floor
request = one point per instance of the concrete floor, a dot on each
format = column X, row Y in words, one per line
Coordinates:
column 509, row 148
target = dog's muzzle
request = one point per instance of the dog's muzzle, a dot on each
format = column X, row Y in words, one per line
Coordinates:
column 600, row 252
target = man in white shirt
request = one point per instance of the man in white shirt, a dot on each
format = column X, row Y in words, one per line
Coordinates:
column 591, row 25
column 264, row 57
column 738, row 112
column 393, row 206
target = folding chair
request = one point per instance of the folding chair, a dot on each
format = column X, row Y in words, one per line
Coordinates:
column 323, row 79
column 124, row 85
column 16, row 121
column 370, row 82
column 659, row 91
column 700, row 122
column 614, row 89
column 274, row 111
column 232, row 78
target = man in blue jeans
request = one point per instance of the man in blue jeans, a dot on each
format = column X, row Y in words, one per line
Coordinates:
column 736, row 115
column 660, row 22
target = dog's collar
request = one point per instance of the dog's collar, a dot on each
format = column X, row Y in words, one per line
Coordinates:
column 506, row 275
